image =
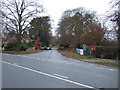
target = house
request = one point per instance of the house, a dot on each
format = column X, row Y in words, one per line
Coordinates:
column 26, row 37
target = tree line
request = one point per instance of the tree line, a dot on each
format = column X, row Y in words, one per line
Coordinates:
column 76, row 27
column 21, row 20
column 80, row 26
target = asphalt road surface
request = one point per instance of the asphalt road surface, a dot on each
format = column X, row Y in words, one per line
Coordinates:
column 49, row 69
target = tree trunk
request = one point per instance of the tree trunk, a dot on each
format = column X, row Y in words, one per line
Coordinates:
column 18, row 43
column 119, row 39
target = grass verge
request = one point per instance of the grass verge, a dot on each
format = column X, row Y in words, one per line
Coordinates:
column 108, row 63
column 73, row 54
column 21, row 52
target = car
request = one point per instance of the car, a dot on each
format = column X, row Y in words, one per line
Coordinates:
column 45, row 48
column 42, row 48
column 48, row 48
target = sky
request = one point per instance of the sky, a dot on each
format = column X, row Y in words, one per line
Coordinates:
column 55, row 8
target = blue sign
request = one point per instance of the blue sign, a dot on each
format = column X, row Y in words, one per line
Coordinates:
column 79, row 51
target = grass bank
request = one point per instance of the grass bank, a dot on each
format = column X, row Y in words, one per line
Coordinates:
column 31, row 51
column 74, row 55
column 108, row 63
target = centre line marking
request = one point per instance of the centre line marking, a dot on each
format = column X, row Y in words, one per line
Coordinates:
column 46, row 74
column 60, row 76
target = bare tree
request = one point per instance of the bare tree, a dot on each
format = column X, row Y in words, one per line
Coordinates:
column 115, row 18
column 18, row 14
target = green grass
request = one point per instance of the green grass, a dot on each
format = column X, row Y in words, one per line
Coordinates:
column 33, row 50
column 108, row 63
column 72, row 54
column 77, row 56
column 21, row 52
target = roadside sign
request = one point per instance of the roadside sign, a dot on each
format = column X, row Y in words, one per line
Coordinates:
column 93, row 47
column 84, row 47
column 80, row 51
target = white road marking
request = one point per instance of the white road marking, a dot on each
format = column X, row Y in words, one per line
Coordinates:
column 23, row 55
column 60, row 76
column 30, row 57
column 108, row 69
column 111, row 69
column 42, row 59
column 65, row 62
column 100, row 67
column 26, row 56
column 34, row 57
column 46, row 74
column 69, row 63
column 15, row 63
column 38, row 58
column 53, row 60
column 115, row 70
column 58, row 61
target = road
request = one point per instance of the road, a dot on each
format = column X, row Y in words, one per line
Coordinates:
column 49, row 69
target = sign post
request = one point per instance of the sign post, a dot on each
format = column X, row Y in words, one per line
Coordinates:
column 84, row 49
column 93, row 49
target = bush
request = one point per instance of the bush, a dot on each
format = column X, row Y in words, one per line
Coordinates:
column 23, row 47
column 28, row 44
column 63, row 47
column 11, row 46
column 80, row 46
column 106, row 52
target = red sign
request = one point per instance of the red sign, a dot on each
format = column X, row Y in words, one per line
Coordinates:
column 93, row 47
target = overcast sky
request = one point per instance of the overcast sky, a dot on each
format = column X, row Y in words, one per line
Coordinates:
column 55, row 8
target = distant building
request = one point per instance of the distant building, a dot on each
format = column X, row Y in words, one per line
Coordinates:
column 26, row 37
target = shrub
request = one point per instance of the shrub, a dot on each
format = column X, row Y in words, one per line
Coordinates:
column 80, row 46
column 23, row 47
column 28, row 44
column 11, row 46
column 106, row 52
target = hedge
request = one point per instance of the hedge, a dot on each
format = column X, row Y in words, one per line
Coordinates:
column 12, row 46
column 108, row 52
